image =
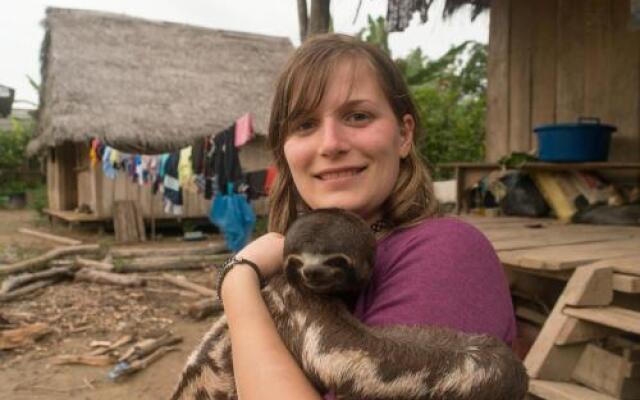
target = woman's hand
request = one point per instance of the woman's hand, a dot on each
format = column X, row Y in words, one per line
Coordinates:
column 266, row 251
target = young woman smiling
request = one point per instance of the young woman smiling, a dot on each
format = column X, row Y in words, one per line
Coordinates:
column 343, row 130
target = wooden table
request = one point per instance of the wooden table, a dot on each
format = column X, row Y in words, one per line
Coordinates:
column 590, row 263
column 467, row 174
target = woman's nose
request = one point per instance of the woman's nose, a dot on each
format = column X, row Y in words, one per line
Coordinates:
column 333, row 138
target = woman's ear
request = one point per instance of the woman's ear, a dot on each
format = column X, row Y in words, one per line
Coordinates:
column 407, row 130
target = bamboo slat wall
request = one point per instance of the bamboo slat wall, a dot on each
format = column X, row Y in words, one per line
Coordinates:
column 556, row 60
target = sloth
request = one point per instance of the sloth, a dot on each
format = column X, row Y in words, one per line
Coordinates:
column 329, row 255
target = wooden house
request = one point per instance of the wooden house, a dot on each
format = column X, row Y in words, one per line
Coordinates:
column 557, row 60
column 145, row 87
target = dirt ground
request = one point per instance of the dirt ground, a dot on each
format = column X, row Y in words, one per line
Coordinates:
column 79, row 313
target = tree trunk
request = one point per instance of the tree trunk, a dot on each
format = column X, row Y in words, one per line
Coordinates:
column 318, row 22
column 320, row 17
column 303, row 20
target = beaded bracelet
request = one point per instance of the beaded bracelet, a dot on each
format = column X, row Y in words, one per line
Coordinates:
column 228, row 266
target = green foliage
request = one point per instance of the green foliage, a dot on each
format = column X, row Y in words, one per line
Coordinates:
column 376, row 33
column 13, row 144
column 13, row 160
column 450, row 93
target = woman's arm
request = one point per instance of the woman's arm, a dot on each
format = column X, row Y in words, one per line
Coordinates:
column 263, row 367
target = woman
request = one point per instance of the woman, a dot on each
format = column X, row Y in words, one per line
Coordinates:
column 343, row 131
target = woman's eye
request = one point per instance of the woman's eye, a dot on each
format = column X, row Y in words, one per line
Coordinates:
column 358, row 117
column 304, row 126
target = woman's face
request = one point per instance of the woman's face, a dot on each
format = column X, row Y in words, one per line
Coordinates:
column 347, row 153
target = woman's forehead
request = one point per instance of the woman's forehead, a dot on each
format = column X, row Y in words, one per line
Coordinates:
column 337, row 83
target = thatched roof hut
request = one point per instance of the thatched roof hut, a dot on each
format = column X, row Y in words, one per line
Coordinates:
column 149, row 86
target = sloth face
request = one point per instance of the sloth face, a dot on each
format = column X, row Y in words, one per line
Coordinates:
column 320, row 273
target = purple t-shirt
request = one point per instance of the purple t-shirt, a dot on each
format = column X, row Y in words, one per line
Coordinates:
column 441, row 272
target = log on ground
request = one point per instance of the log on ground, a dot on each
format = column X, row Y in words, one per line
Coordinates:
column 99, row 265
column 48, row 236
column 25, row 335
column 95, row 276
column 204, row 308
column 130, row 251
column 149, row 264
column 26, row 289
column 55, row 274
column 41, row 261
column 183, row 282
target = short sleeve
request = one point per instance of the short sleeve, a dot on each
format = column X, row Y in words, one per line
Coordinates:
column 442, row 272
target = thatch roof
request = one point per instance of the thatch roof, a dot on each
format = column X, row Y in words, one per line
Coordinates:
column 149, row 86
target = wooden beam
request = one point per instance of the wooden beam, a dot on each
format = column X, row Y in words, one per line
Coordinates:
column 497, row 136
column 577, row 331
column 551, row 390
column 545, row 360
column 606, row 372
column 626, row 283
column 614, row 317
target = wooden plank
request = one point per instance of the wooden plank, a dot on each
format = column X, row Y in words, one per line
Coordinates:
column 598, row 291
column 497, row 136
column 598, row 33
column 571, row 60
column 545, row 360
column 606, row 372
column 545, row 36
column 552, row 390
column 578, row 331
column 625, row 265
column 530, row 315
column 554, row 238
column 612, row 316
column 626, row 283
column 623, row 83
column 520, row 54
column 569, row 256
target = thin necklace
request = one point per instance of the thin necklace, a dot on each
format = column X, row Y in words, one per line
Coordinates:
column 380, row 225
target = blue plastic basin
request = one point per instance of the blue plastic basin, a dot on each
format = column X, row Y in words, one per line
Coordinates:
column 585, row 140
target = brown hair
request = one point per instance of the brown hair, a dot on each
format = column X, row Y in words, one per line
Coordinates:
column 310, row 67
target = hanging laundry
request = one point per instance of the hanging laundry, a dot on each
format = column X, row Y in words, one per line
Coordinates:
column 185, row 170
column 272, row 172
column 107, row 165
column 172, row 189
column 93, row 154
column 225, row 160
column 244, row 130
column 198, row 154
column 255, row 181
column 232, row 214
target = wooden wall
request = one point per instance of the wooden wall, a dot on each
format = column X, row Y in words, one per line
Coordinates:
column 556, row 60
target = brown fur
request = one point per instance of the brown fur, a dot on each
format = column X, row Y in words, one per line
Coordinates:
column 337, row 352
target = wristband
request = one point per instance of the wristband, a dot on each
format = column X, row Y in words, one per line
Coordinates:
column 228, row 266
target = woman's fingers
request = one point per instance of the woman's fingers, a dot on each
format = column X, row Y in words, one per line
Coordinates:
column 266, row 252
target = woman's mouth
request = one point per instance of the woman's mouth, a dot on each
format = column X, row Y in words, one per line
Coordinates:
column 339, row 173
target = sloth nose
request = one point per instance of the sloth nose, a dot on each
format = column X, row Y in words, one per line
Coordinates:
column 315, row 272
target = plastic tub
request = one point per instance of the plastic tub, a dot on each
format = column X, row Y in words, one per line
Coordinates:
column 584, row 140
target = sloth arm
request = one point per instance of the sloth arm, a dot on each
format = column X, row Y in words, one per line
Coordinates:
column 263, row 367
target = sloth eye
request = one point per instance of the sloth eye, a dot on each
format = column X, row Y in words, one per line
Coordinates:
column 341, row 262
column 293, row 262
